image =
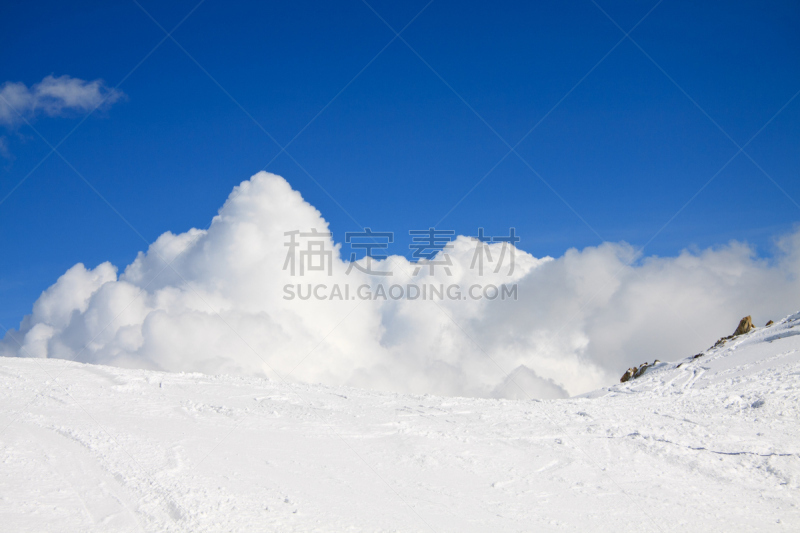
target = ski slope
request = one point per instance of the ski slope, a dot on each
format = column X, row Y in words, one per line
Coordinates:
column 706, row 444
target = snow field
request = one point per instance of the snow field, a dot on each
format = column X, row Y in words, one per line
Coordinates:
column 706, row 444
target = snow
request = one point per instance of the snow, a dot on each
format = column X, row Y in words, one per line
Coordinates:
column 706, row 444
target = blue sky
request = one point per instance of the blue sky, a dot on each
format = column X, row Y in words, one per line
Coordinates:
column 624, row 132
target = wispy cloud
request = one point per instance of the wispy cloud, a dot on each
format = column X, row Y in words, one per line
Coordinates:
column 53, row 96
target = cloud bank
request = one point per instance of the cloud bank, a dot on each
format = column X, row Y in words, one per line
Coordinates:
column 214, row 302
column 53, row 97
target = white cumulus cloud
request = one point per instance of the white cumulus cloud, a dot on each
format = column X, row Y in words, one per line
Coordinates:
column 214, row 301
column 53, row 97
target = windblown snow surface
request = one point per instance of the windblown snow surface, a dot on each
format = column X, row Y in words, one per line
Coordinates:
column 705, row 444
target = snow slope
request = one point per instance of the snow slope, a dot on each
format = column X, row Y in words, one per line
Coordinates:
column 710, row 445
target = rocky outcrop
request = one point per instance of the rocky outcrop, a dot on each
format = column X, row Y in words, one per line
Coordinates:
column 769, row 324
column 635, row 372
column 629, row 374
column 745, row 326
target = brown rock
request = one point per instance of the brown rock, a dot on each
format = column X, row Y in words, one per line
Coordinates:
column 769, row 324
column 721, row 341
column 627, row 375
column 745, row 325
column 644, row 366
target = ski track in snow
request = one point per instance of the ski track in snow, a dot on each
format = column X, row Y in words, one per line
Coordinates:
column 712, row 445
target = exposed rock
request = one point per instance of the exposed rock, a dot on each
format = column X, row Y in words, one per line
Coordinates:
column 635, row 372
column 745, row 325
column 627, row 375
column 641, row 369
column 769, row 324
